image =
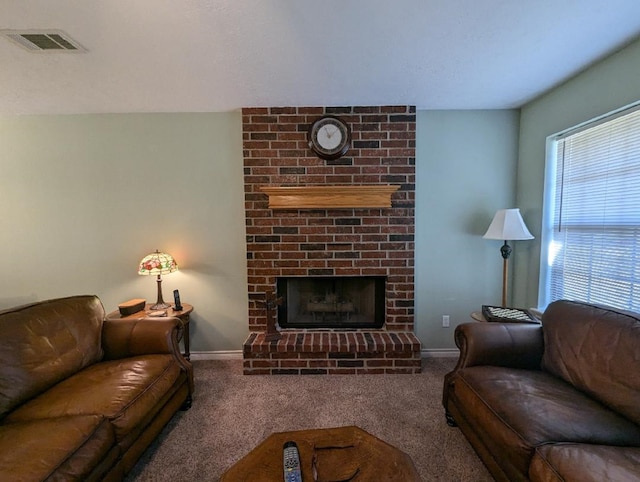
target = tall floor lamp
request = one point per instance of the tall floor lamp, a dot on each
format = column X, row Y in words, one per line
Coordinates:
column 507, row 225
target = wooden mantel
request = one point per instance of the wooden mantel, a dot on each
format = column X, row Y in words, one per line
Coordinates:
column 326, row 197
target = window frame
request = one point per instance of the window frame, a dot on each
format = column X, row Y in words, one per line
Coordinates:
column 549, row 195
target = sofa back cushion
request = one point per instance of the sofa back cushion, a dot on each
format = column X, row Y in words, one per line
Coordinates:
column 45, row 342
column 597, row 350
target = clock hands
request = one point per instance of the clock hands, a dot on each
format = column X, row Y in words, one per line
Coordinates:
column 330, row 134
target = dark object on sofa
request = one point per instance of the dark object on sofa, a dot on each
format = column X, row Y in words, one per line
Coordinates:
column 82, row 397
column 558, row 401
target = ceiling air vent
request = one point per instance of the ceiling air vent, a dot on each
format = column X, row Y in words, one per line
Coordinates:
column 44, row 40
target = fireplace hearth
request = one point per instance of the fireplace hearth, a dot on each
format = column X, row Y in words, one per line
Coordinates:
column 331, row 302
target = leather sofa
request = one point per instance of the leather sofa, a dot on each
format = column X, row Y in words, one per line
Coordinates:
column 82, row 397
column 557, row 401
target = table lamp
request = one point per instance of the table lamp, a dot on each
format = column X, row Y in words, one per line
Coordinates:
column 507, row 225
column 158, row 264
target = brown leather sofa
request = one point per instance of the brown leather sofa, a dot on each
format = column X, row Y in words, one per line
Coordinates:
column 82, row 397
column 557, row 401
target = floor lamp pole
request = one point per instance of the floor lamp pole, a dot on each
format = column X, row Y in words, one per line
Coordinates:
column 505, row 250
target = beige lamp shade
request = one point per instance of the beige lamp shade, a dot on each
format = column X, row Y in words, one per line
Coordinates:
column 508, row 225
column 158, row 264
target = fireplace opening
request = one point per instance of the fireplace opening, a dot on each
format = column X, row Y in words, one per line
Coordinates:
column 332, row 302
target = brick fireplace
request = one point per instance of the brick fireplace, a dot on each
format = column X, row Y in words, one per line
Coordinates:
column 331, row 242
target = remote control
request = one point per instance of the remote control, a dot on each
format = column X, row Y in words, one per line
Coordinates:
column 291, row 462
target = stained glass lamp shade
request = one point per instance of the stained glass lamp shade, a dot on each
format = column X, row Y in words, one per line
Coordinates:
column 158, row 264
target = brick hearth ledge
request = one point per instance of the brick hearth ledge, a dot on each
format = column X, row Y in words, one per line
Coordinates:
column 301, row 352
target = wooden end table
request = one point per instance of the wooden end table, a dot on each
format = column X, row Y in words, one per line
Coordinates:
column 182, row 314
column 342, row 453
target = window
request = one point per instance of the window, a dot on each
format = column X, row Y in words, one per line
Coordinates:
column 591, row 237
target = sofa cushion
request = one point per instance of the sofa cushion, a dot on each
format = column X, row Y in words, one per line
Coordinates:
column 65, row 448
column 45, row 342
column 586, row 463
column 514, row 410
column 128, row 392
column 597, row 350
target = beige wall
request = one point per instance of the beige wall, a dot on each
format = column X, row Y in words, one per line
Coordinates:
column 83, row 198
column 465, row 171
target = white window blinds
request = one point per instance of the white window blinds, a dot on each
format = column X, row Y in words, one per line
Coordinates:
column 594, row 251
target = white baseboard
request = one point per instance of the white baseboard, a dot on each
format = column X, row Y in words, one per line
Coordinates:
column 237, row 354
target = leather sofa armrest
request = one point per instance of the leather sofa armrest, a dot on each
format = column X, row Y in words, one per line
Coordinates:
column 125, row 338
column 146, row 336
column 515, row 345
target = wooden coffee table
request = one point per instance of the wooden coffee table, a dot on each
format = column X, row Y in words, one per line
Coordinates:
column 344, row 453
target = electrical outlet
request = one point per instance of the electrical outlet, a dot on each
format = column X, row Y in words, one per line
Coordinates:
column 445, row 321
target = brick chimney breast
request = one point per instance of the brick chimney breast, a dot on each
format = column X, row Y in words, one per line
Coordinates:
column 339, row 242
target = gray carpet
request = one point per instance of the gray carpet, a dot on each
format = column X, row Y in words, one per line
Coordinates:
column 232, row 413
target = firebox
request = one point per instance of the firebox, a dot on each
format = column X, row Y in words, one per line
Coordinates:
column 332, row 302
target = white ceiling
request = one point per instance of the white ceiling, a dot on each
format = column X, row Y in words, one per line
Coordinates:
column 221, row 55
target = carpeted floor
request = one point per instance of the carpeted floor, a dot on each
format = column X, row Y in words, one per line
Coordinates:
column 232, row 413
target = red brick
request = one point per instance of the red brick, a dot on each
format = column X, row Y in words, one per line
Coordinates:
column 293, row 136
column 313, row 111
column 264, row 363
column 292, row 119
column 285, row 131
column 256, row 144
column 322, row 363
column 379, row 363
column 394, row 109
column 247, row 111
column 282, row 110
column 348, row 272
column 294, row 364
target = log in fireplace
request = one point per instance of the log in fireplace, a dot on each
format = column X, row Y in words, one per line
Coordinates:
column 332, row 302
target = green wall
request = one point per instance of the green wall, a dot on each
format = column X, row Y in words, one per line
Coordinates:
column 611, row 84
column 465, row 172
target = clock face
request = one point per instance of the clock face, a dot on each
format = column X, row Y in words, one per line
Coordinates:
column 329, row 137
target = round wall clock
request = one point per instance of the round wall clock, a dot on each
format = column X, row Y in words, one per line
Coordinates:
column 329, row 137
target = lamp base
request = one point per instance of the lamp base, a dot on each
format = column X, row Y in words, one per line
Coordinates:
column 160, row 304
